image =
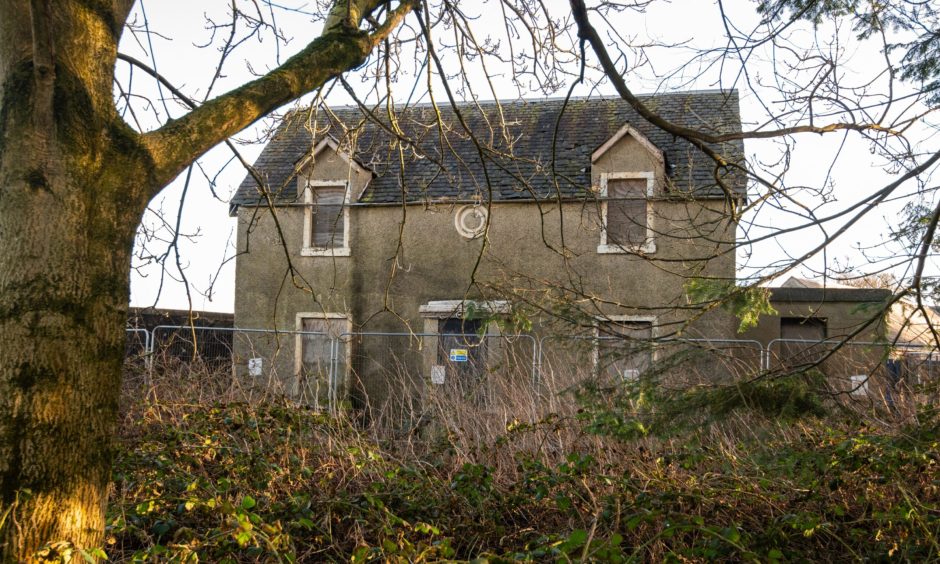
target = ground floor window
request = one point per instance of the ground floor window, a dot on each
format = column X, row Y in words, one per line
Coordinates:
column 623, row 347
column 321, row 358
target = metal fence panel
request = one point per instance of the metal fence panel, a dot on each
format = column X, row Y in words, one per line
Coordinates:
column 206, row 347
column 296, row 364
column 876, row 371
column 136, row 344
column 404, row 378
column 567, row 362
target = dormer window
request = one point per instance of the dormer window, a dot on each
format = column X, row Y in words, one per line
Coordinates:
column 326, row 219
column 626, row 213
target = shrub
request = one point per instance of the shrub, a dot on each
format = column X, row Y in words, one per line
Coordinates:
column 226, row 480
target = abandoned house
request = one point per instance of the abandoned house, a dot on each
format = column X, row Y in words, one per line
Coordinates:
column 576, row 217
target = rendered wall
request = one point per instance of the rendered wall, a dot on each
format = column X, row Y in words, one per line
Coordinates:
column 855, row 336
column 403, row 258
column 846, row 312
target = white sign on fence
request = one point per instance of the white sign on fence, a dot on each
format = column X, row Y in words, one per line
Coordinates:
column 630, row 375
column 859, row 384
column 437, row 374
column 254, row 366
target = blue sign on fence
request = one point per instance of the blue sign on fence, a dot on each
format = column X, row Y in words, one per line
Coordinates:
column 458, row 355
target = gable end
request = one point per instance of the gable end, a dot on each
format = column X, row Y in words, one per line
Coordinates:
column 628, row 129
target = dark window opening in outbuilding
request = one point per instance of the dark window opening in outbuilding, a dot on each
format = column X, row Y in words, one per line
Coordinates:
column 803, row 328
column 803, row 341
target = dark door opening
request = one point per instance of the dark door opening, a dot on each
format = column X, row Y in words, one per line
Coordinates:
column 462, row 352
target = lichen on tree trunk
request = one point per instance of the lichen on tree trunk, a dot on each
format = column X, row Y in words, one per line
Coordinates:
column 67, row 221
column 74, row 182
column 64, row 262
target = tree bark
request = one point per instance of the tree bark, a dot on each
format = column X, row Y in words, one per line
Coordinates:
column 65, row 254
column 74, row 182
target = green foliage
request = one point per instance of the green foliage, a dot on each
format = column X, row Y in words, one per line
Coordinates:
column 747, row 303
column 240, row 483
column 474, row 482
column 65, row 551
column 647, row 408
column 518, row 321
column 515, row 322
column 916, row 24
column 785, row 397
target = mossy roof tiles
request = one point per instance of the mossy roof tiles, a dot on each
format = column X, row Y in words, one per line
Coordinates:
column 516, row 157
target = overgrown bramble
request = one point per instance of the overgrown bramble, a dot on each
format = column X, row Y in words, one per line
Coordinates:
column 247, row 482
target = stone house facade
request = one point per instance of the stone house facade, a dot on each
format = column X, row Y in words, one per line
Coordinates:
column 573, row 217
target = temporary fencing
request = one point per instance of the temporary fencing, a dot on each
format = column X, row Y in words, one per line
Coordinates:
column 208, row 347
column 567, row 361
column 402, row 377
column 136, row 343
column 324, row 370
column 879, row 371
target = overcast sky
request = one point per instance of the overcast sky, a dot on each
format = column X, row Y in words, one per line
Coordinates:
column 176, row 47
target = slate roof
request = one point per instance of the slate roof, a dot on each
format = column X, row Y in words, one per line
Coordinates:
column 443, row 163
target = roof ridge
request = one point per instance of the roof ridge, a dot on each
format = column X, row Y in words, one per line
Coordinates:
column 733, row 92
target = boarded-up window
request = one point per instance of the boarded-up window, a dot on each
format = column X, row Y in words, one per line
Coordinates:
column 319, row 384
column 624, row 348
column 626, row 212
column 802, row 340
column 328, row 227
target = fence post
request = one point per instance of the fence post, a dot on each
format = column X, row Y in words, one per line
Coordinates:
column 332, row 393
column 148, row 359
column 146, row 344
column 538, row 372
column 536, row 360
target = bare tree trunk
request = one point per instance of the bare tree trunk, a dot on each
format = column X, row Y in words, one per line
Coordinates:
column 70, row 201
column 74, row 181
column 61, row 329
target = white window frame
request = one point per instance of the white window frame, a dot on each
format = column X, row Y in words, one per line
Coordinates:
column 299, row 343
column 649, row 246
column 596, row 353
column 308, row 250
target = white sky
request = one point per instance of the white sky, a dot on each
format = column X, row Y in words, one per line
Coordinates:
column 181, row 28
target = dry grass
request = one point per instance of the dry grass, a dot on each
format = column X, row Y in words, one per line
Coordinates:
column 209, row 469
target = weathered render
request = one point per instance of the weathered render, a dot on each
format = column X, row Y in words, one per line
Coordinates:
column 842, row 313
column 541, row 253
column 840, row 331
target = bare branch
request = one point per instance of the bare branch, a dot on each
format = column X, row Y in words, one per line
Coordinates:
column 179, row 142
